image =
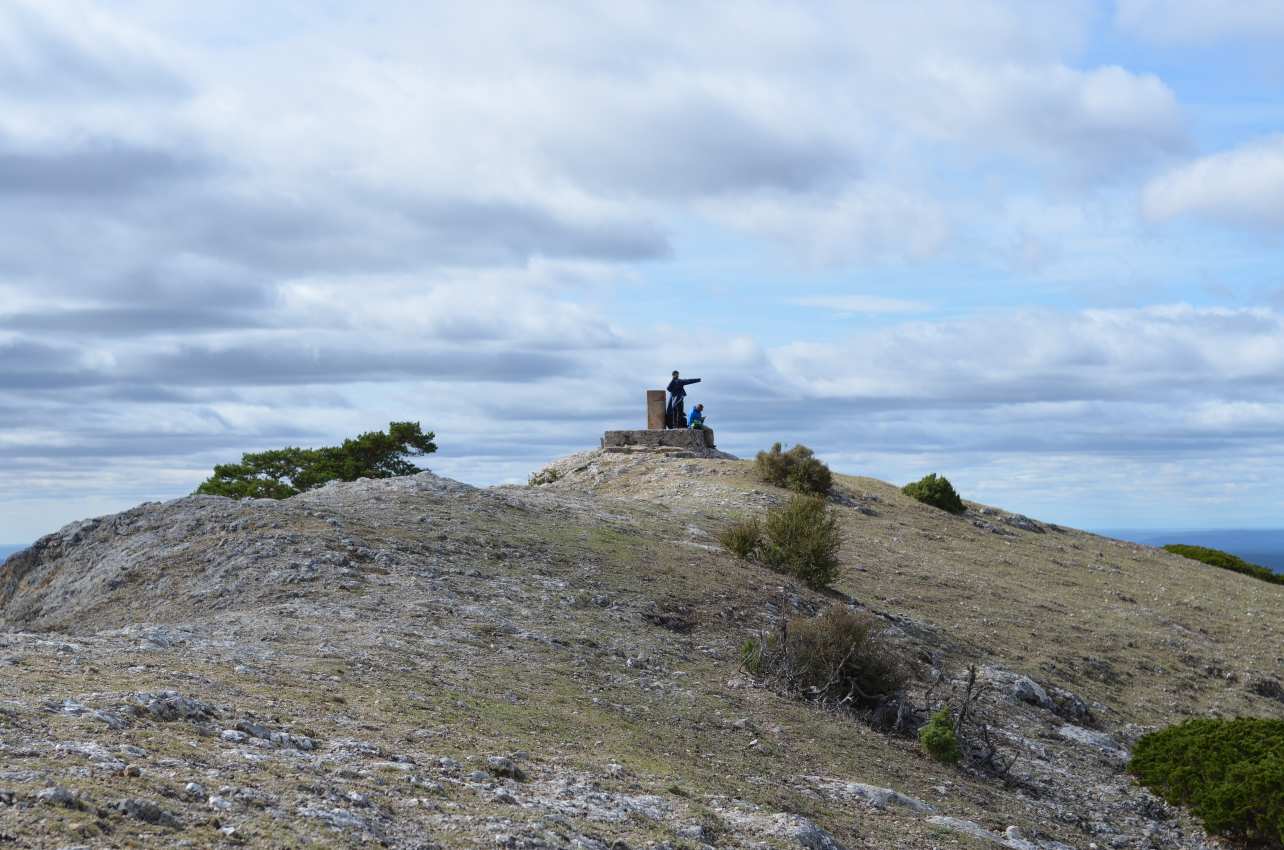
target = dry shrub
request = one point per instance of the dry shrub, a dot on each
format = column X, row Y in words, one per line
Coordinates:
column 797, row 469
column 742, row 538
column 840, row 658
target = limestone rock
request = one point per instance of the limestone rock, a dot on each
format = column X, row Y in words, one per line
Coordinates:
column 692, row 439
column 882, row 798
column 1029, row 691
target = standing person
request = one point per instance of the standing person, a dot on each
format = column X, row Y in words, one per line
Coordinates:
column 673, row 416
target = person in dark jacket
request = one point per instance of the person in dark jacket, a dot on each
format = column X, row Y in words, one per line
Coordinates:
column 677, row 392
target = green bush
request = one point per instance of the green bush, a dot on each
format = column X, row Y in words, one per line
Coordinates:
column 1229, row 773
column 281, row 473
column 802, row 539
column 840, row 657
column 936, row 491
column 742, row 538
column 797, row 469
column 751, row 657
column 1225, row 560
column 938, row 738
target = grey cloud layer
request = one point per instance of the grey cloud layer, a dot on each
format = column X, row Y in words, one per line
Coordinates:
column 106, row 170
column 266, row 362
column 1034, row 356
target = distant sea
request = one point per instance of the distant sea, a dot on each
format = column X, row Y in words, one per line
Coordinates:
column 7, row 549
column 1256, row 545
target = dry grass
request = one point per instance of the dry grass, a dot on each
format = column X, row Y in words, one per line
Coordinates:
column 1154, row 636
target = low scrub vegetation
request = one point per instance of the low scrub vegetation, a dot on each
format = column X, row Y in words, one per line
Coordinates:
column 797, row 469
column 936, row 491
column 1229, row 773
column 1225, row 560
column 840, row 657
column 801, row 539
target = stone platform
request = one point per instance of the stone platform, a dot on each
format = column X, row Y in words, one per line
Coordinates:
column 691, row 439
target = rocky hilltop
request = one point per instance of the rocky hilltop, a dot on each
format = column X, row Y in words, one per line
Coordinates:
column 417, row 663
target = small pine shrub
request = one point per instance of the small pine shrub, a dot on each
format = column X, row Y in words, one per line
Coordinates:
column 1229, row 773
column 802, row 539
column 936, row 491
column 544, row 476
column 938, row 738
column 839, row 657
column 1225, row 560
column 797, row 469
column 742, row 538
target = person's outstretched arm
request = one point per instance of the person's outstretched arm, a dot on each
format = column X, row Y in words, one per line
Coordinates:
column 686, row 381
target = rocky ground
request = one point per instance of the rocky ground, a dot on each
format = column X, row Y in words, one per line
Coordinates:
column 418, row 663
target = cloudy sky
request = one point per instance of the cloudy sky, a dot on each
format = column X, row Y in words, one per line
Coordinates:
column 1036, row 247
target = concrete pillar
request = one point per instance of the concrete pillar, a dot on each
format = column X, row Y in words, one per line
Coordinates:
column 655, row 410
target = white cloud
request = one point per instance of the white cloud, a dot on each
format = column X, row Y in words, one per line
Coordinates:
column 464, row 307
column 1092, row 121
column 1201, row 21
column 1243, row 186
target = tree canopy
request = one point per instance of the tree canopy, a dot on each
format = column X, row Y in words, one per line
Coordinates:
column 281, row 473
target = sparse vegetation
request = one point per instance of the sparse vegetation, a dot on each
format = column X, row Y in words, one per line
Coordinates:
column 1225, row 560
column 797, row 469
column 971, row 728
column 936, row 491
column 742, row 538
column 1229, row 773
column 672, row 615
column 938, row 738
column 281, row 473
column 840, row 658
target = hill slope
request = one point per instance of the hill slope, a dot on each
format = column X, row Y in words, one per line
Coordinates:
column 420, row 663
